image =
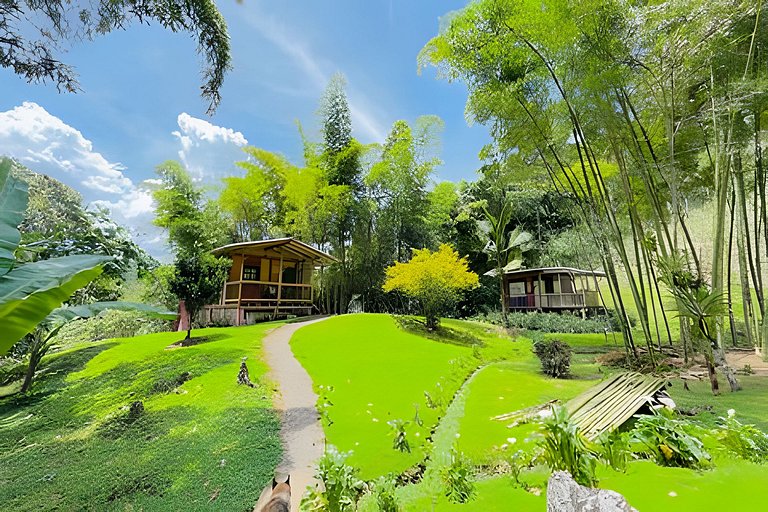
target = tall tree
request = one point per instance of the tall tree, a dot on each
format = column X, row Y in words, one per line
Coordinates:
column 398, row 184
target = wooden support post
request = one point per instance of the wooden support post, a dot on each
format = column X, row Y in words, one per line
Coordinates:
column 541, row 305
column 239, row 320
column 279, row 285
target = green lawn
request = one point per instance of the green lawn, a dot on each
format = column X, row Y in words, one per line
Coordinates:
column 207, row 444
column 732, row 485
column 501, row 388
column 378, row 373
column 750, row 404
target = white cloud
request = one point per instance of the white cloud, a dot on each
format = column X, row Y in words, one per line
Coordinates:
column 48, row 145
column 209, row 152
column 291, row 44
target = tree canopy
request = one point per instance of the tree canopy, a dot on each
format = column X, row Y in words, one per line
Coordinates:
column 34, row 33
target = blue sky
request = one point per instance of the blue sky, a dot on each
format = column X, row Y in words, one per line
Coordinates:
column 140, row 103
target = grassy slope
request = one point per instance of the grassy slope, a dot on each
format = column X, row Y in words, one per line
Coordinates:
column 502, row 388
column 71, row 446
column 357, row 353
column 378, row 372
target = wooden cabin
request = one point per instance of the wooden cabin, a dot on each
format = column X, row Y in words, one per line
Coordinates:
column 268, row 278
column 553, row 289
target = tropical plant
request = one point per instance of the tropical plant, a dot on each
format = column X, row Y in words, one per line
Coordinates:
column 384, row 490
column 30, row 291
column 555, row 357
column 668, row 441
column 613, row 448
column 566, row 449
column 458, row 478
column 399, row 438
column 43, row 337
column 435, row 279
column 695, row 301
column 341, row 486
column 505, row 250
column 746, row 441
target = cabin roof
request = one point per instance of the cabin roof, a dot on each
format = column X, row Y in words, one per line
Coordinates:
column 553, row 270
column 260, row 247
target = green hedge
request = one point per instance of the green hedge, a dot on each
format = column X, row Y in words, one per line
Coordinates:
column 554, row 322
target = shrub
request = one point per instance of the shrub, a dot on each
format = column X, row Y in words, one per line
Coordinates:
column 342, row 487
column 555, row 322
column 435, row 279
column 555, row 357
column 457, row 478
column 399, row 440
column 110, row 324
column 566, row 449
column 613, row 448
column 668, row 441
column 746, row 441
column 384, row 491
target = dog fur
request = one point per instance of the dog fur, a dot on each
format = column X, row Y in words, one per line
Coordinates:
column 275, row 498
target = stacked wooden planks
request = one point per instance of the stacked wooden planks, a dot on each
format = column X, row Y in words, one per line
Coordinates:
column 608, row 405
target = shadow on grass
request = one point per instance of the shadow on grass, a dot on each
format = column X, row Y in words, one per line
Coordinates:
column 443, row 334
column 51, row 376
column 197, row 340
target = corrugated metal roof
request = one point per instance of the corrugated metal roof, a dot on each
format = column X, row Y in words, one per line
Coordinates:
column 608, row 405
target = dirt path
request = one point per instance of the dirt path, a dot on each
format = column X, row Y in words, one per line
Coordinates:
column 301, row 432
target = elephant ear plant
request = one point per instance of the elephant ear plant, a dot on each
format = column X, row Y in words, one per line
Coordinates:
column 30, row 291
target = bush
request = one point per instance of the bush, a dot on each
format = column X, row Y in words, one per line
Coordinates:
column 457, row 479
column 566, row 449
column 613, row 448
column 555, row 322
column 746, row 441
column 384, row 491
column 342, row 487
column 669, row 442
column 399, row 439
column 555, row 357
column 110, row 324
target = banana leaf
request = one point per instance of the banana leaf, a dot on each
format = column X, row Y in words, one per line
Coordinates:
column 13, row 204
column 66, row 314
column 28, row 293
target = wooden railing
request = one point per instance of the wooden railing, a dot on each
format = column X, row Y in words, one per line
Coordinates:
column 587, row 298
column 266, row 292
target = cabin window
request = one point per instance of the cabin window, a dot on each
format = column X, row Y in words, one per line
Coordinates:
column 516, row 289
column 549, row 284
column 566, row 284
column 251, row 273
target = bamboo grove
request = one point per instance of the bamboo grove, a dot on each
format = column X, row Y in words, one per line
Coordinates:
column 636, row 110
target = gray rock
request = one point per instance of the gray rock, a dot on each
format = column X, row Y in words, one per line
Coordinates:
column 565, row 495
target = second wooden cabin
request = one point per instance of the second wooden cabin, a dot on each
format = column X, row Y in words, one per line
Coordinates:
column 553, row 289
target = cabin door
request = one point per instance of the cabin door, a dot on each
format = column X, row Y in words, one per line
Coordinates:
column 530, row 293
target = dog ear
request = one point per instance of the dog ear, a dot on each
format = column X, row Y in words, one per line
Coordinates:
column 288, row 480
column 274, row 482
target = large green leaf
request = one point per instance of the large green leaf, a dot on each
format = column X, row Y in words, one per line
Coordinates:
column 66, row 314
column 28, row 293
column 13, row 204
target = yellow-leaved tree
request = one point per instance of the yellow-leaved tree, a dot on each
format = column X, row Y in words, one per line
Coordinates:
column 435, row 279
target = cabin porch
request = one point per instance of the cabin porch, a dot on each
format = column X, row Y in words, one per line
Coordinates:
column 552, row 289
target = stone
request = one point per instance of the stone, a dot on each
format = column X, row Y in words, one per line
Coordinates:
column 565, row 495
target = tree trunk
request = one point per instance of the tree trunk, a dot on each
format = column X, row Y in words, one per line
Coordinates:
column 30, row 373
column 504, row 315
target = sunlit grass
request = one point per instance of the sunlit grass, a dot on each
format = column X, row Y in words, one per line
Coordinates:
column 208, row 443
